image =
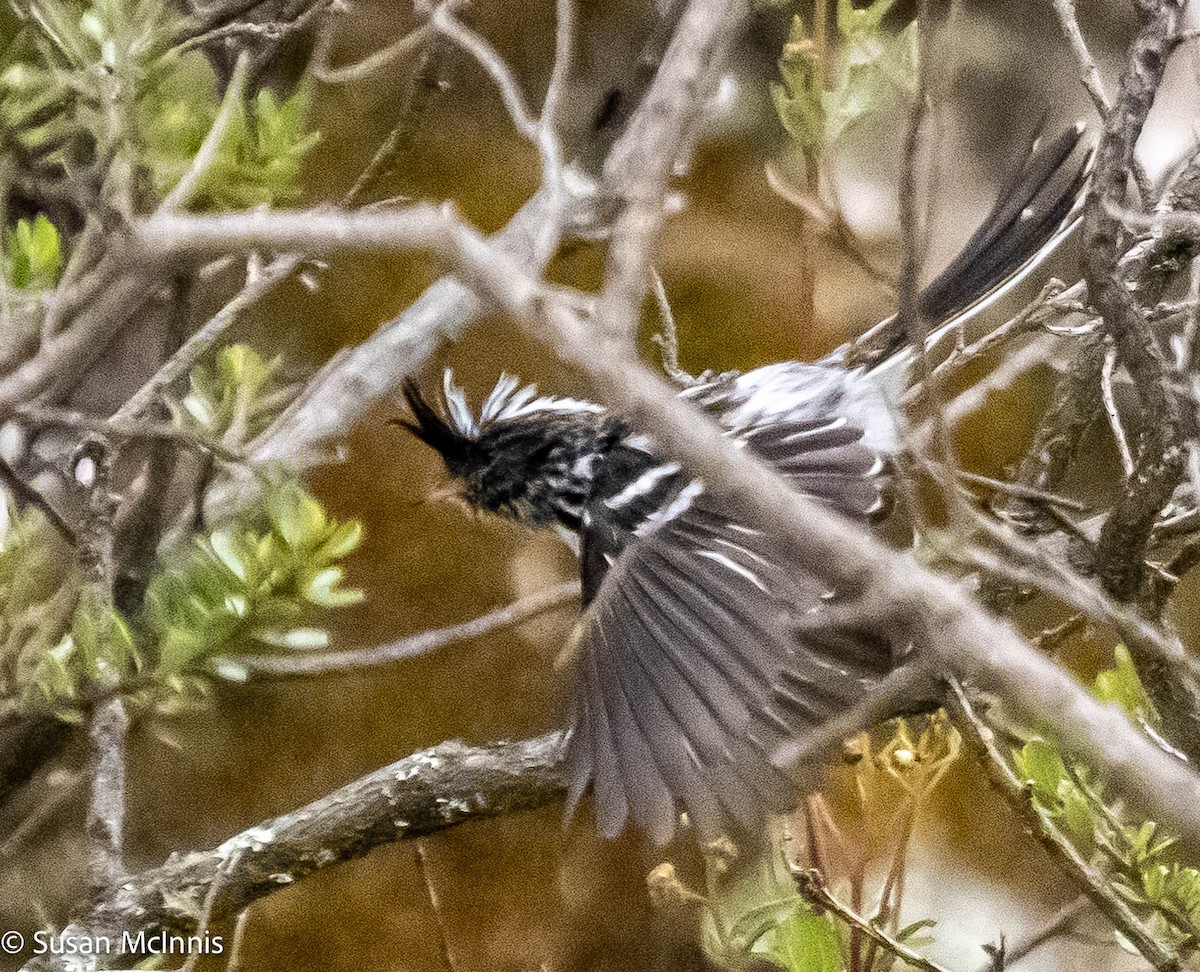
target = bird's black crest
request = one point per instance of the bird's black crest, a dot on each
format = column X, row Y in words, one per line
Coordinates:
column 429, row 425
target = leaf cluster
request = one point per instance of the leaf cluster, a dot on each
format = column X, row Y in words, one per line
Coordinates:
column 255, row 580
column 31, row 264
column 824, row 96
column 232, row 399
column 97, row 654
column 98, row 100
column 257, row 159
column 33, row 255
column 1136, row 857
column 39, row 590
column 249, row 583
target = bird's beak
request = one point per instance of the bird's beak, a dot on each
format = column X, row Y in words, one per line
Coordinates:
column 451, row 494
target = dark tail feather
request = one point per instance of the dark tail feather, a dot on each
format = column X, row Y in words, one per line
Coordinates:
column 1036, row 209
column 1039, row 200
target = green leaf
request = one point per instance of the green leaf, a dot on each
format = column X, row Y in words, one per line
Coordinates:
column 233, row 397
column 297, row 639
column 1121, row 684
column 1039, row 764
column 805, row 942
column 224, row 545
column 1076, row 814
column 908, row 931
column 230, row 670
column 870, row 67
column 797, row 101
column 34, row 254
column 1154, row 882
column 323, row 589
column 342, row 540
column 258, row 158
column 297, row 516
column 257, row 579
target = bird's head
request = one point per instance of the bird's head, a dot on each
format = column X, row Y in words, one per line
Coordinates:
column 523, row 456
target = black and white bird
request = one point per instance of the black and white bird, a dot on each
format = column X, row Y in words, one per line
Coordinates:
column 691, row 667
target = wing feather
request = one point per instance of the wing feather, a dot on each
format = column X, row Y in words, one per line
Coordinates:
column 684, row 685
column 692, row 666
column 612, row 807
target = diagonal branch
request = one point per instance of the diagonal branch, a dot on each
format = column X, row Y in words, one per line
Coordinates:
column 330, row 662
column 1091, row 882
column 420, row 794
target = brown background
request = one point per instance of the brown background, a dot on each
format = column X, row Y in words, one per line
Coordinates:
column 516, row 894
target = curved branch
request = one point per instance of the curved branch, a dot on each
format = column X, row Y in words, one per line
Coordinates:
column 428, row 791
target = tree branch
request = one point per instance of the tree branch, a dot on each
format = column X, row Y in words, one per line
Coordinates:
column 1090, row 881
column 328, row 662
column 421, row 794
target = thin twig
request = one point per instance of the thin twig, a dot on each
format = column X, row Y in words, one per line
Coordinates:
column 416, row 100
column 1089, row 72
column 1018, row 364
column 813, row 889
column 833, row 225
column 1094, row 884
column 401, row 47
column 25, row 495
column 1060, row 922
column 1036, row 313
column 910, row 681
column 239, row 937
column 668, row 338
column 435, row 905
column 120, row 429
column 1022, row 491
column 911, row 326
column 196, row 346
column 231, row 106
column 1027, row 563
column 544, row 139
column 214, row 889
column 1050, row 639
column 213, row 15
column 44, row 812
column 564, row 32
column 337, row 662
column 540, row 133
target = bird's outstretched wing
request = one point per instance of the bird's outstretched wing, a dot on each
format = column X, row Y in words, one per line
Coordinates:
column 681, row 692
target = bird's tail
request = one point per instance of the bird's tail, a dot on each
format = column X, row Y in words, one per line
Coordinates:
column 1037, row 209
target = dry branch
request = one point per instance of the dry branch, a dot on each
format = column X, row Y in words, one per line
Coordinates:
column 1159, row 453
column 420, row 794
column 1090, row 881
column 327, row 662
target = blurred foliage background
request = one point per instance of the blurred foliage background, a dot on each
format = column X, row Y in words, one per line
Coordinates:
column 517, row 893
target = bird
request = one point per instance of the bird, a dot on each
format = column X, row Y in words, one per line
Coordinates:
column 696, row 655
